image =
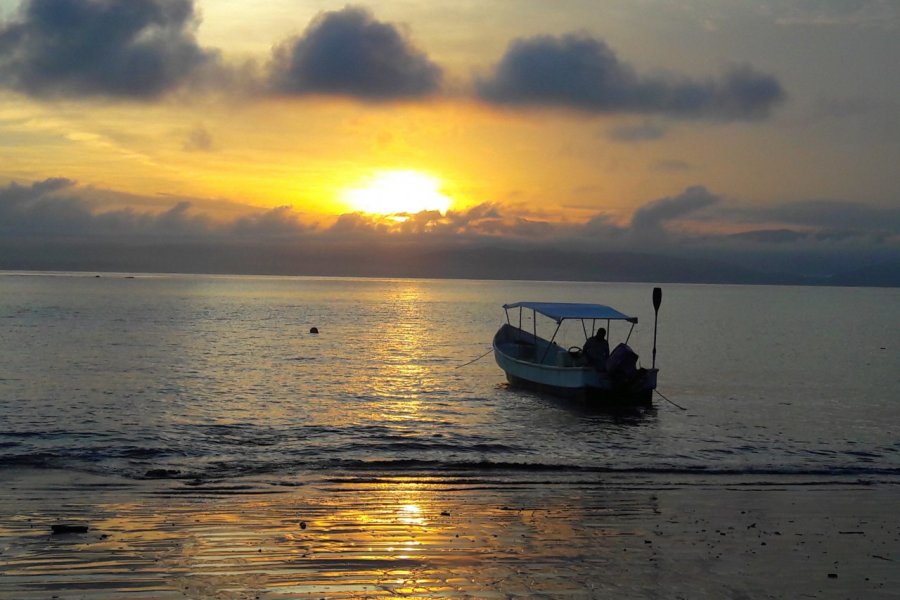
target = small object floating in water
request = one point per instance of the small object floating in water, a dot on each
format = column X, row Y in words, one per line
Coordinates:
column 162, row 473
column 314, row 330
column 64, row 528
column 302, row 524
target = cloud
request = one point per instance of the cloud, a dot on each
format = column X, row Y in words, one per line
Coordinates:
column 279, row 221
column 602, row 227
column 349, row 53
column 55, row 224
column 582, row 73
column 671, row 164
column 354, row 224
column 650, row 218
column 34, row 208
column 482, row 219
column 770, row 236
column 198, row 140
column 135, row 49
column 54, row 207
column 642, row 132
column 881, row 14
column 835, row 215
column 146, row 49
column 58, row 206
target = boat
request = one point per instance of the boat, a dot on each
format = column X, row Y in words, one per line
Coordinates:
column 532, row 361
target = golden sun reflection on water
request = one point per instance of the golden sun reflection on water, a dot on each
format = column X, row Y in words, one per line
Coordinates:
column 399, row 377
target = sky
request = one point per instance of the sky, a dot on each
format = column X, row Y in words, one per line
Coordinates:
column 334, row 138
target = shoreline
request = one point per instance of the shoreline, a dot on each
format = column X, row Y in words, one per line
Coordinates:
column 395, row 535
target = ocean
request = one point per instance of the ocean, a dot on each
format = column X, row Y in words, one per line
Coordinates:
column 218, row 378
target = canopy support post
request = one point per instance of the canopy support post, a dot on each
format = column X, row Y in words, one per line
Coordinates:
column 558, row 325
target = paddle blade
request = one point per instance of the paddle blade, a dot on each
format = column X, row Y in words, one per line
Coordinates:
column 657, row 298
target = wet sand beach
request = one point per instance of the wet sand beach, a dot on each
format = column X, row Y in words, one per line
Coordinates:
column 488, row 536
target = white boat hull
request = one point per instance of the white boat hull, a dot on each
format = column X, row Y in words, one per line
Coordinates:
column 534, row 362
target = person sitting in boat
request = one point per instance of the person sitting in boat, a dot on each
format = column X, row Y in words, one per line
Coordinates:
column 596, row 350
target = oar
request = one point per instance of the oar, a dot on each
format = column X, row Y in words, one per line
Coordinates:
column 657, row 300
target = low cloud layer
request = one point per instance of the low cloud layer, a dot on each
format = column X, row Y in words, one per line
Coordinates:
column 829, row 215
column 60, row 206
column 56, row 207
column 52, row 224
column 650, row 219
column 583, row 73
column 882, row 14
column 349, row 52
column 135, row 49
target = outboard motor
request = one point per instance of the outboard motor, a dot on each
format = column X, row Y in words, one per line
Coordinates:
column 622, row 364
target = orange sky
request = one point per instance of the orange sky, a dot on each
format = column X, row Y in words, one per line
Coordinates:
column 558, row 112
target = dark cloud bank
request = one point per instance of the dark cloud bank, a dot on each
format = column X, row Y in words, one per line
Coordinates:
column 144, row 49
column 583, row 73
column 349, row 53
column 138, row 49
column 50, row 225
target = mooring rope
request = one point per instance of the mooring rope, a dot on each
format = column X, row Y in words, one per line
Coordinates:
column 474, row 360
column 669, row 401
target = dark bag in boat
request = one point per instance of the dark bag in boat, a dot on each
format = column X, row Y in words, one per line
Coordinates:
column 622, row 364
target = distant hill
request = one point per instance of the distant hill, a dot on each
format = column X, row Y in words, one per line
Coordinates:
column 553, row 264
column 878, row 275
column 355, row 258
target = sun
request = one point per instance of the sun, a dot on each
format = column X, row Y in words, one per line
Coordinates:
column 395, row 192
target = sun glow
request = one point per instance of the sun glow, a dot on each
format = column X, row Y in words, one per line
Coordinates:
column 396, row 192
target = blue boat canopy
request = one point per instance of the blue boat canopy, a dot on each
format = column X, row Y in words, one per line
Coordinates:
column 560, row 311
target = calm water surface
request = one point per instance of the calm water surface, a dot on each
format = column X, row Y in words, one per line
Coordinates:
column 217, row 377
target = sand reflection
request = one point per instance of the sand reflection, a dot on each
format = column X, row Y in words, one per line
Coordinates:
column 393, row 536
column 437, row 537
